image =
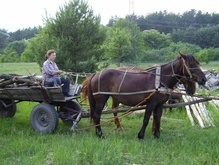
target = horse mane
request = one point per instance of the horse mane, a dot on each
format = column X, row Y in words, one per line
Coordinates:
column 190, row 59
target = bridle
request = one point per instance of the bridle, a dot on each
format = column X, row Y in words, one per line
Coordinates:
column 185, row 69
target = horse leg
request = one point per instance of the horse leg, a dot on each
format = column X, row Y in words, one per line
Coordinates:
column 116, row 119
column 153, row 124
column 147, row 115
column 96, row 119
column 157, row 116
column 97, row 114
column 117, row 122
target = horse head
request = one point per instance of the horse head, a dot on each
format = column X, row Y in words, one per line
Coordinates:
column 191, row 73
column 192, row 70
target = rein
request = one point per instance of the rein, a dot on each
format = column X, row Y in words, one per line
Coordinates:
column 128, row 112
column 187, row 69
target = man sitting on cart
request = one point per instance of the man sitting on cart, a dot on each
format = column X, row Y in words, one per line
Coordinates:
column 51, row 73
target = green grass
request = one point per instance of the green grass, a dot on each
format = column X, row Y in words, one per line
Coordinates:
column 211, row 65
column 180, row 142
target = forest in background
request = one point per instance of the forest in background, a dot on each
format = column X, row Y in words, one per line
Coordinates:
column 83, row 44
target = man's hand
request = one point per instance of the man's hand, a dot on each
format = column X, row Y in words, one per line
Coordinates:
column 59, row 71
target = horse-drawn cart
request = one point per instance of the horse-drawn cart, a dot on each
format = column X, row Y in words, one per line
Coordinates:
column 52, row 105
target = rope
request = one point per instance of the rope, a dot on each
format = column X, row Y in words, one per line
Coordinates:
column 128, row 112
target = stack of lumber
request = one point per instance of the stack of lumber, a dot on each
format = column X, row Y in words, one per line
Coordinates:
column 13, row 80
column 198, row 113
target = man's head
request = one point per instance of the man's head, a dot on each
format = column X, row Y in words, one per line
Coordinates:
column 51, row 54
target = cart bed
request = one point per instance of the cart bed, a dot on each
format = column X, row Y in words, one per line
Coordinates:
column 37, row 93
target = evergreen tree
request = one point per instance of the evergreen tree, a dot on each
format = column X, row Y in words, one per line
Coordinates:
column 75, row 34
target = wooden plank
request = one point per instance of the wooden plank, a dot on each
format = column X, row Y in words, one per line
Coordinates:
column 196, row 113
column 25, row 93
column 188, row 111
column 55, row 93
column 202, row 110
column 3, row 94
column 207, row 115
column 32, row 94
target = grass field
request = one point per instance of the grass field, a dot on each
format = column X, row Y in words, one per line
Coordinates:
column 180, row 142
column 34, row 68
column 20, row 68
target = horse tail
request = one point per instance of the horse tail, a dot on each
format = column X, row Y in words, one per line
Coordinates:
column 84, row 87
column 87, row 93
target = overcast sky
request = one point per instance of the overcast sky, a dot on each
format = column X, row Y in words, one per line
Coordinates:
column 19, row 14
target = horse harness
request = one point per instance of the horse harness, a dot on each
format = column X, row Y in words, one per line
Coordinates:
column 164, row 90
column 157, row 84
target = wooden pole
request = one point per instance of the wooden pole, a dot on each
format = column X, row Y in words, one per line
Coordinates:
column 120, row 110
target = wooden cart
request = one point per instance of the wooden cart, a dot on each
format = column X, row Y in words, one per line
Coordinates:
column 52, row 105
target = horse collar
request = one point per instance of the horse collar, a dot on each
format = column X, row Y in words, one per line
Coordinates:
column 157, row 77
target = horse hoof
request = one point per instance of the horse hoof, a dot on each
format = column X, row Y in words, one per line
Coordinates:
column 100, row 134
column 140, row 136
column 156, row 135
column 119, row 129
column 101, row 137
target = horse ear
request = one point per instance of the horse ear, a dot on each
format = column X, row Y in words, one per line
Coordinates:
column 182, row 56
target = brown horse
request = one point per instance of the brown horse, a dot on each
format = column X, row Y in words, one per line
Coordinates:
column 149, row 87
column 189, row 84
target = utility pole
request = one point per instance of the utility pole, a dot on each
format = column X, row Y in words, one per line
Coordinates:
column 131, row 7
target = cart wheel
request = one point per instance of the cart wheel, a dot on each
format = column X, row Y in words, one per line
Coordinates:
column 44, row 118
column 9, row 111
column 69, row 111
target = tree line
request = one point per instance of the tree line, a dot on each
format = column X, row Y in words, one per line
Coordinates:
column 84, row 45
